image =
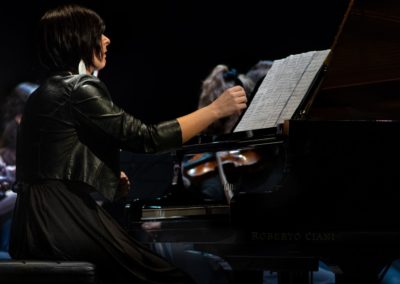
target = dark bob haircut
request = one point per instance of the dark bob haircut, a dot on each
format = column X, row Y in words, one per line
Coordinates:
column 68, row 34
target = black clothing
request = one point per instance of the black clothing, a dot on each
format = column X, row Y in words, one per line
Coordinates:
column 59, row 220
column 68, row 145
column 71, row 130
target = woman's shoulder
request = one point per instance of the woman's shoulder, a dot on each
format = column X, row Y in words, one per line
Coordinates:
column 88, row 85
column 71, row 81
column 86, row 79
column 78, row 86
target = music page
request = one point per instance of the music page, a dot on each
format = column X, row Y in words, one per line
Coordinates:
column 282, row 90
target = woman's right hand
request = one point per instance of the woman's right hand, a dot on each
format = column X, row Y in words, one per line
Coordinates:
column 232, row 101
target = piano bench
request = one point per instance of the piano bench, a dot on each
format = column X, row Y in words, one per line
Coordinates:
column 35, row 272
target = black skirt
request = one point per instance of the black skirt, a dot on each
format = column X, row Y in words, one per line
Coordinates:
column 57, row 220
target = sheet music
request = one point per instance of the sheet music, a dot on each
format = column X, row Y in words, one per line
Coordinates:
column 282, row 90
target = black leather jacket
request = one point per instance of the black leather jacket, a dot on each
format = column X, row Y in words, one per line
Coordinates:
column 71, row 130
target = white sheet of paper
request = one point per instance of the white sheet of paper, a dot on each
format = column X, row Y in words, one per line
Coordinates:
column 282, row 90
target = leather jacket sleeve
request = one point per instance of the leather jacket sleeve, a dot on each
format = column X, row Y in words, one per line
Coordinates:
column 95, row 113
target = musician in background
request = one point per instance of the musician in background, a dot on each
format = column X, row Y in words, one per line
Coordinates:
column 11, row 113
column 220, row 79
column 69, row 142
column 203, row 177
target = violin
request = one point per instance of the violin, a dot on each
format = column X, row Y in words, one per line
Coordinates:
column 206, row 163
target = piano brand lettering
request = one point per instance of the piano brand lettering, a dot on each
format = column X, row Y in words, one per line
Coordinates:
column 325, row 236
column 271, row 236
column 292, row 236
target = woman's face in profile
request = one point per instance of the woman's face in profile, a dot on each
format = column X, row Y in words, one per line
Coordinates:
column 99, row 60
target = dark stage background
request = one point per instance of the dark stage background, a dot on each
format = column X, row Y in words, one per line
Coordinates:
column 161, row 51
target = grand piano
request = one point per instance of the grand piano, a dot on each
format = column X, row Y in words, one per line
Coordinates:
column 335, row 191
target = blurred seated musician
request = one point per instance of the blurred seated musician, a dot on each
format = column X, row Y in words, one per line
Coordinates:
column 11, row 116
column 11, row 113
column 213, row 175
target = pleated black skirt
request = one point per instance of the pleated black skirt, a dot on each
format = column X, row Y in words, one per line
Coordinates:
column 59, row 220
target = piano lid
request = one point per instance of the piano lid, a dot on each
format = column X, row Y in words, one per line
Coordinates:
column 363, row 77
